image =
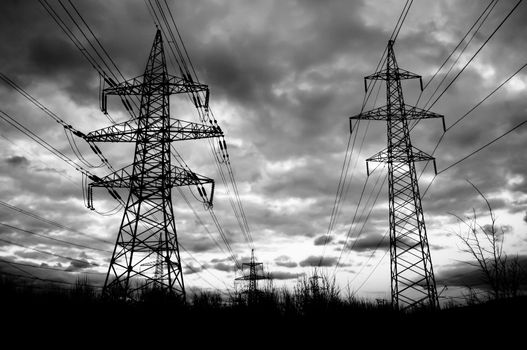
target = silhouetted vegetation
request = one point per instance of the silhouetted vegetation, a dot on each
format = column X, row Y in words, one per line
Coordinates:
column 315, row 306
column 500, row 272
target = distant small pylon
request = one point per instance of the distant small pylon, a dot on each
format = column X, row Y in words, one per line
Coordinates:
column 256, row 273
column 314, row 285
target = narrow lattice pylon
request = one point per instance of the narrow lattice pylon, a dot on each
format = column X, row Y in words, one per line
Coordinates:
column 146, row 254
column 412, row 276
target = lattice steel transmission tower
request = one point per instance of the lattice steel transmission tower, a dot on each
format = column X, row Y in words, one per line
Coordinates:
column 412, row 275
column 256, row 274
column 146, row 253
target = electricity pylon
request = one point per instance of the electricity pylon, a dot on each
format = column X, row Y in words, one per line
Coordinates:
column 255, row 274
column 412, row 275
column 314, row 285
column 146, row 253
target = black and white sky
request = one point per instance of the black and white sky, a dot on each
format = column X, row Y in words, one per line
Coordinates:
column 285, row 76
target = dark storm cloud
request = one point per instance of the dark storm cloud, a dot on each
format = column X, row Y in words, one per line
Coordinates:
column 498, row 230
column 191, row 269
column 318, row 261
column 46, row 275
column 17, row 161
column 462, row 275
column 197, row 243
column 50, row 239
column 27, row 254
column 285, row 261
column 202, row 246
column 41, row 50
column 436, row 246
column 465, row 274
column 289, row 264
column 284, row 275
column 369, row 242
column 223, row 267
column 215, row 260
column 322, row 240
column 78, row 265
column 245, row 69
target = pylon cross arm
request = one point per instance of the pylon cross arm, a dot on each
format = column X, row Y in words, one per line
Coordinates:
column 413, row 113
column 420, row 156
column 404, row 74
column 179, row 130
column 399, row 156
column 171, row 85
column 409, row 113
column 392, row 74
column 123, row 178
column 380, row 113
column 251, row 278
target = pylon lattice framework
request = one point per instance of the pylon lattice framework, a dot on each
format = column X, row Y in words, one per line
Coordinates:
column 412, row 275
column 255, row 274
column 146, row 253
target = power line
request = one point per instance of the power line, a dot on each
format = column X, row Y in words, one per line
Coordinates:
column 47, row 253
column 332, row 218
column 344, row 189
column 59, row 154
column 429, row 185
column 203, row 267
column 238, row 209
column 236, row 203
column 370, row 87
column 394, row 37
column 97, row 40
column 370, row 257
column 12, row 121
column 18, row 268
column 486, row 97
column 468, row 113
column 53, row 238
column 372, row 271
column 86, row 272
column 455, row 49
column 51, row 222
column 215, row 220
column 475, row 54
column 90, row 58
column 32, row 154
column 369, row 213
column 482, row 147
column 480, row 101
column 354, row 167
column 459, row 55
column 224, row 238
column 382, row 239
column 200, row 221
column 201, row 277
column 69, row 33
column 44, row 279
column 50, row 268
column 352, row 221
column 80, row 46
column 218, row 225
column 69, row 130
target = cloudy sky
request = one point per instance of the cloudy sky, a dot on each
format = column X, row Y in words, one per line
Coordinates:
column 284, row 76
